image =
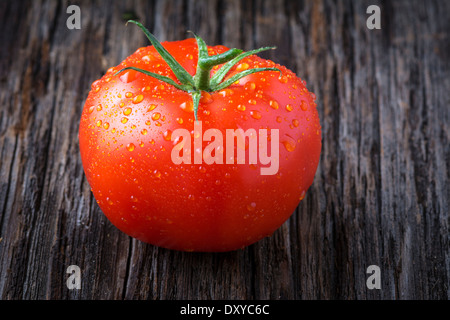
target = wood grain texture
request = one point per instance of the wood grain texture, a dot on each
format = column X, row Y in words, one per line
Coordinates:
column 380, row 196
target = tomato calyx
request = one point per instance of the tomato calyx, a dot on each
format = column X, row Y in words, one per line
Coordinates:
column 201, row 81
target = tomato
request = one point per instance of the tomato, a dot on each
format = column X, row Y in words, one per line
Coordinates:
column 127, row 140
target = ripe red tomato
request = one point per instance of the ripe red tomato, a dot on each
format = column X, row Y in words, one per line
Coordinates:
column 126, row 144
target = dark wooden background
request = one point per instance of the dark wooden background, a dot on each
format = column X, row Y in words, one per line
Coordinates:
column 380, row 196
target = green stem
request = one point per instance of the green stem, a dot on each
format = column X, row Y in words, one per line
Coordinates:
column 202, row 80
column 205, row 64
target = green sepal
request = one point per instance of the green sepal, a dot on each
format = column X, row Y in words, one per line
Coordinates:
column 178, row 70
column 222, row 72
column 157, row 76
column 240, row 75
column 196, row 95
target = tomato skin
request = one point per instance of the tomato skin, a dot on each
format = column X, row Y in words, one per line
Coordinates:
column 125, row 145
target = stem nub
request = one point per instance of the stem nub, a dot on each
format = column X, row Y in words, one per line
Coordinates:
column 201, row 81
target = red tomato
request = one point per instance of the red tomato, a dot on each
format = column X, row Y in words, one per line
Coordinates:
column 126, row 147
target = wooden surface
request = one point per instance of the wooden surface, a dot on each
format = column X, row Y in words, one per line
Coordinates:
column 380, row 196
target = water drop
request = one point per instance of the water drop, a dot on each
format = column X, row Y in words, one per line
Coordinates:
column 303, row 106
column 206, row 98
column 273, row 104
column 128, row 76
column 187, row 106
column 167, row 135
column 127, row 111
column 138, row 99
column 144, row 132
column 128, row 94
column 156, row 116
column 151, row 107
column 289, row 107
column 250, row 86
column 130, row 147
column 288, row 145
column 251, row 206
column 124, row 120
column 99, row 123
column 241, row 107
column 283, row 79
column 255, row 114
column 106, row 125
column 295, row 122
column 242, row 66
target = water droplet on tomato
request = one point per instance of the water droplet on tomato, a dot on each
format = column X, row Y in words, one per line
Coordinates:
column 133, row 199
column 167, row 135
column 289, row 107
column 283, row 79
column 99, row 107
column 187, row 106
column 95, row 83
column 251, row 206
column 127, row 111
column 273, row 104
column 288, row 143
column 156, row 116
column 130, row 147
column 242, row 66
column 138, row 99
column 226, row 92
column 240, row 107
column 255, row 114
column 128, row 94
column 303, row 106
column 206, row 98
column 124, row 120
column 250, row 86
column 252, row 101
column 151, row 107
column 180, row 120
column 295, row 122
column 106, row 125
column 91, row 109
column 99, row 123
column 144, row 132
column 128, row 76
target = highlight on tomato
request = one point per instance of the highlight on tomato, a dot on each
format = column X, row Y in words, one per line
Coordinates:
column 199, row 148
